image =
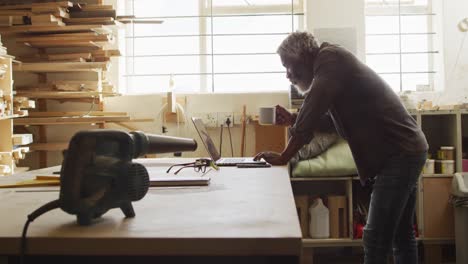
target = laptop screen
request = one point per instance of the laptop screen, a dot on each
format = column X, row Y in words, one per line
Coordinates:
column 206, row 139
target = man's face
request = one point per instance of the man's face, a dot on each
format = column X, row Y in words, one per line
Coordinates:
column 298, row 73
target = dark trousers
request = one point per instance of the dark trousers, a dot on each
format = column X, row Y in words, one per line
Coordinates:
column 390, row 219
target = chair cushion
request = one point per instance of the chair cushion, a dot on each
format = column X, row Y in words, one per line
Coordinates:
column 335, row 161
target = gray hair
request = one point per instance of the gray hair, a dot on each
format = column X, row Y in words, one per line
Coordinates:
column 298, row 45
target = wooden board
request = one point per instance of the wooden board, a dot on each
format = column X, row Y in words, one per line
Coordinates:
column 270, row 138
column 69, row 120
column 302, row 206
column 51, row 146
column 61, row 66
column 93, row 13
column 56, row 11
column 438, row 212
column 76, row 113
column 77, row 85
column 88, row 36
column 237, row 219
column 61, row 94
column 90, row 20
column 66, row 44
column 54, row 29
column 338, row 209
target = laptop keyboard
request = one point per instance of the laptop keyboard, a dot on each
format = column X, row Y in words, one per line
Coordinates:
column 233, row 160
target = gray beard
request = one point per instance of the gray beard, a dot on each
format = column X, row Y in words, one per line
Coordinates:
column 302, row 90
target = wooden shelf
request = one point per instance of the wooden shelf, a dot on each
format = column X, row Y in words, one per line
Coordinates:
column 75, row 113
column 52, row 146
column 330, row 242
column 55, row 29
column 61, row 66
column 69, row 120
column 330, row 178
column 438, row 175
column 347, row 242
column 62, row 94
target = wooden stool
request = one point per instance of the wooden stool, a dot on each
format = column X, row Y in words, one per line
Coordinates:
column 302, row 206
column 337, row 207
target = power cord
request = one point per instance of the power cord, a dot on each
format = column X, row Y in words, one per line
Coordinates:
column 228, row 123
column 31, row 217
column 221, row 141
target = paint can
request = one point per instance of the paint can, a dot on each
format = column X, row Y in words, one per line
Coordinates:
column 446, row 153
column 447, row 166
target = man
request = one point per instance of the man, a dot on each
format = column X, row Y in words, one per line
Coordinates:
column 388, row 147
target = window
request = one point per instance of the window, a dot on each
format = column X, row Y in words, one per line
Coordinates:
column 208, row 46
column 401, row 43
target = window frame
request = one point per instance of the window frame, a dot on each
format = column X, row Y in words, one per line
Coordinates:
column 399, row 9
column 207, row 11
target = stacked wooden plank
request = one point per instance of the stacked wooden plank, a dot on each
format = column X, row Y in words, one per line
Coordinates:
column 84, row 45
column 69, row 48
column 12, row 147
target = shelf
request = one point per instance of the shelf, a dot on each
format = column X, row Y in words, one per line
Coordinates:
column 329, row 178
column 62, row 94
column 75, row 113
column 55, row 29
column 437, row 175
column 61, row 66
column 347, row 242
column 69, row 120
column 330, row 242
column 52, row 146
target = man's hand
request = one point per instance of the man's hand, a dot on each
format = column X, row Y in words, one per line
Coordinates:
column 271, row 157
column 283, row 116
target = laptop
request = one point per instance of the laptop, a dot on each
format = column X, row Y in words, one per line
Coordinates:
column 213, row 151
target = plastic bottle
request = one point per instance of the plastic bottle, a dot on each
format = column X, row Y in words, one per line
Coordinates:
column 319, row 220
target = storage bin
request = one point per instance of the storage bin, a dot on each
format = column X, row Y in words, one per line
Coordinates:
column 429, row 167
column 446, row 153
column 460, row 193
column 447, row 166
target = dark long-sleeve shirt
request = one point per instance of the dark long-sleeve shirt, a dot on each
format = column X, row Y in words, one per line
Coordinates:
column 362, row 107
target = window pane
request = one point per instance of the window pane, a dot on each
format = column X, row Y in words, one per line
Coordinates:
column 384, row 63
column 251, row 82
column 415, row 43
column 414, row 24
column 247, row 44
column 251, row 2
column 170, row 26
column 164, row 8
column 415, row 62
column 168, row 45
column 381, row 24
column 170, row 65
column 248, row 63
column 252, row 24
column 411, row 81
column 157, row 84
column 376, row 44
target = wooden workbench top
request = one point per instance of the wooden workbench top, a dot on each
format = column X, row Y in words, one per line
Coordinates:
column 241, row 212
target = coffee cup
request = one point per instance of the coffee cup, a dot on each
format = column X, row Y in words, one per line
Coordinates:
column 267, row 115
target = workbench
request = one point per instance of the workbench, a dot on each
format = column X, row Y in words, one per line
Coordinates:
column 242, row 216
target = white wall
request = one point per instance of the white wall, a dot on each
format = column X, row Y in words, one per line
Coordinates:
column 144, row 106
column 339, row 15
column 456, row 74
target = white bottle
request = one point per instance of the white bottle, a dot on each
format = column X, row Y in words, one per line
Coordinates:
column 319, row 220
